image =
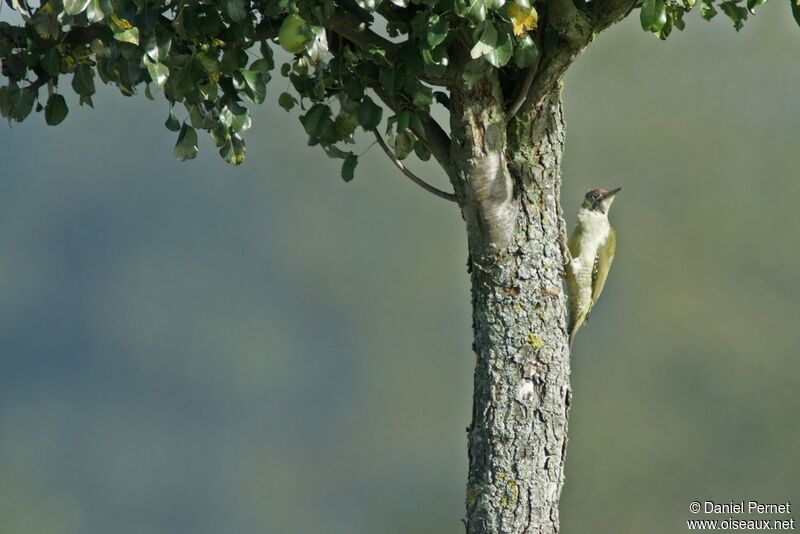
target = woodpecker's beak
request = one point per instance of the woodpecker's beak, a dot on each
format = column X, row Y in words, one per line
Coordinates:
column 605, row 196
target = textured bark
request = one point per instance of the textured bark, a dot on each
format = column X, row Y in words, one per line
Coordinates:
column 483, row 185
column 518, row 434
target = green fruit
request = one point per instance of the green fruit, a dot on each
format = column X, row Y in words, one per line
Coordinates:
column 294, row 34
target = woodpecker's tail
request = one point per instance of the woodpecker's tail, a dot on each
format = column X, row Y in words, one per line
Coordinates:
column 576, row 323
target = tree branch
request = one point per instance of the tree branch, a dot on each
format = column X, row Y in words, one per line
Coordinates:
column 83, row 35
column 438, row 142
column 411, row 176
column 354, row 29
column 605, row 13
column 522, row 93
column 575, row 31
column 434, row 137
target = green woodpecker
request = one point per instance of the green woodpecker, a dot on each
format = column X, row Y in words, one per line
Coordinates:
column 591, row 248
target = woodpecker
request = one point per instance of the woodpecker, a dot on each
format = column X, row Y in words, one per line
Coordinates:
column 591, row 251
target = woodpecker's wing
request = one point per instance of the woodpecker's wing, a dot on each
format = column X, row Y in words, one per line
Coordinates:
column 602, row 264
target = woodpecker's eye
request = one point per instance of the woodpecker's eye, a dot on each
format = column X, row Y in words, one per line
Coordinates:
column 594, row 195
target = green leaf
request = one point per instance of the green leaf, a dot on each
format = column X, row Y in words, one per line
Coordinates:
column 186, row 147
column 367, row 5
column 163, row 41
column 345, row 125
column 221, row 134
column 369, row 114
column 241, row 119
column 422, row 151
column 83, row 80
column 736, row 13
column 51, row 62
column 94, row 12
column 233, row 150
column 158, row 72
column 46, row 24
column 349, row 167
column 286, row 101
column 415, row 124
column 391, row 80
column 5, row 100
column 75, row 7
column 466, row 7
column 677, row 19
column 354, row 87
column 495, row 47
column 525, row 53
column 435, row 61
column 210, row 65
column 486, row 41
column 502, row 51
column 128, row 36
column 421, row 95
column 20, row 102
column 795, row 10
column 256, row 81
column 198, row 118
column 436, row 30
column 317, row 121
column 667, row 29
column 653, row 15
column 401, row 121
column 56, row 110
column 334, row 152
column 476, row 12
column 150, row 45
column 236, row 10
column 404, row 144
column 232, row 60
column 474, row 71
column 172, row 123
column 707, row 10
column 262, row 65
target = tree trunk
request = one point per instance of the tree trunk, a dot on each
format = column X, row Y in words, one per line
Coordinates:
column 509, row 189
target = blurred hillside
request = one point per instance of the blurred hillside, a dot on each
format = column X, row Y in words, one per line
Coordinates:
column 191, row 347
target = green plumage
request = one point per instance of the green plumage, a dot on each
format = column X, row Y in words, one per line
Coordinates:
column 579, row 305
column 592, row 247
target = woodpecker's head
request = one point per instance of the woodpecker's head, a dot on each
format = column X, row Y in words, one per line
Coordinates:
column 599, row 199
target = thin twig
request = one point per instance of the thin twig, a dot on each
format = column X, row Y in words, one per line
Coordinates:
column 522, row 95
column 433, row 135
column 411, row 176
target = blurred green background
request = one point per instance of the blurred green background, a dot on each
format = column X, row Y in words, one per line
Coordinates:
column 196, row 348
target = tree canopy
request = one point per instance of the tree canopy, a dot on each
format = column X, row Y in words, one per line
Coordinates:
column 357, row 64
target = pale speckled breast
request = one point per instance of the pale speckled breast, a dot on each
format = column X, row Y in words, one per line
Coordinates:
column 594, row 231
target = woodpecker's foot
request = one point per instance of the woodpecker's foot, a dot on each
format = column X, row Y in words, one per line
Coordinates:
column 566, row 260
column 566, row 255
